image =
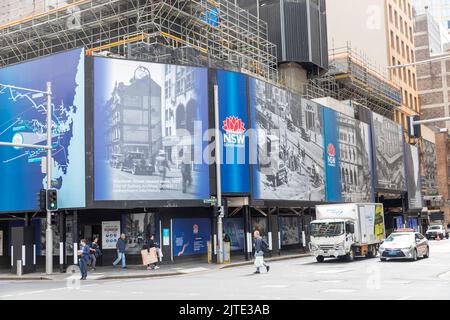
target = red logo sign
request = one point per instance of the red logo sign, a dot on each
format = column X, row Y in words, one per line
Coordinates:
column 234, row 125
column 331, row 150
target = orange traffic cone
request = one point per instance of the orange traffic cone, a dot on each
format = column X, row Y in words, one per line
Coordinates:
column 437, row 237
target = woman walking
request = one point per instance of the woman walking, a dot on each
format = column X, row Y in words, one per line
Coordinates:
column 94, row 253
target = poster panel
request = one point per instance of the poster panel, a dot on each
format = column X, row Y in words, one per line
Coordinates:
column 148, row 140
column 413, row 177
column 287, row 152
column 290, row 230
column 389, row 154
column 23, row 119
column 1, row 243
column 190, row 236
column 110, row 234
column 355, row 160
column 234, row 228
column 138, row 228
column 233, row 121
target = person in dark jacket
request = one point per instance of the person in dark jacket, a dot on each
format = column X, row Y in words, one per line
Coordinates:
column 259, row 247
column 84, row 258
column 94, row 252
column 121, row 246
column 152, row 244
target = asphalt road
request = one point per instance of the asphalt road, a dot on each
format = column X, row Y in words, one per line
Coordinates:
column 290, row 279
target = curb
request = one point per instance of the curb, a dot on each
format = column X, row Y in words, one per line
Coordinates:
column 140, row 276
column 23, row 278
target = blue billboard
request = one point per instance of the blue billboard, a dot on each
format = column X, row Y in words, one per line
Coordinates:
column 148, row 139
column 190, row 236
column 23, row 120
column 332, row 156
column 233, row 121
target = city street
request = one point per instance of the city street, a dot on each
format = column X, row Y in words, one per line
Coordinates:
column 303, row 278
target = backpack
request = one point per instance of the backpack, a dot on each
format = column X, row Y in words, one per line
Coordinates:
column 264, row 246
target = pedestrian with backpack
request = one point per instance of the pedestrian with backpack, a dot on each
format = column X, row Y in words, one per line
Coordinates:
column 260, row 246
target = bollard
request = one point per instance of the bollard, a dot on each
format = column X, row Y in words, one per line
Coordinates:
column 19, row 268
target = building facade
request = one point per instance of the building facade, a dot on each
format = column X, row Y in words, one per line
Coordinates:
column 386, row 35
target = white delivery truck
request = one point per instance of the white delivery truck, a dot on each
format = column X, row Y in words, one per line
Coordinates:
column 347, row 230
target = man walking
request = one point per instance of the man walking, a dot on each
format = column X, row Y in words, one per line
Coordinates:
column 260, row 245
column 121, row 246
column 84, row 258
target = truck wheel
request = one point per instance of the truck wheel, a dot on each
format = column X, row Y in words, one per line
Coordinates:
column 372, row 252
column 446, row 236
column 350, row 256
column 383, row 259
column 320, row 259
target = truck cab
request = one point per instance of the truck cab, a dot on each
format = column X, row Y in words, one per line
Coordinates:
column 331, row 238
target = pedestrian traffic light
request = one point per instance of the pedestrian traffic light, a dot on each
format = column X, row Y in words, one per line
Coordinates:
column 413, row 129
column 52, row 200
column 41, row 198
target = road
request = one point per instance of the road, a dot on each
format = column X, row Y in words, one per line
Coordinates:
column 290, row 279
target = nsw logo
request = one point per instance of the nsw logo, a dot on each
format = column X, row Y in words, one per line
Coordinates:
column 331, row 155
column 234, row 132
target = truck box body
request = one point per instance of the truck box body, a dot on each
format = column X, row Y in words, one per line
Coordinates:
column 367, row 217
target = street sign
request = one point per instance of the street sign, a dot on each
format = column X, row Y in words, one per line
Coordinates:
column 212, row 201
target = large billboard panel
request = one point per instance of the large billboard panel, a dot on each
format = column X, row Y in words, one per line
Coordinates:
column 332, row 155
column 389, row 154
column 149, row 121
column 23, row 120
column 287, row 152
column 355, row 160
column 429, row 172
column 413, row 177
column 190, row 236
column 233, row 122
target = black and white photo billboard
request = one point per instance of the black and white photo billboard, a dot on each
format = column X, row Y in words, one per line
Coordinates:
column 290, row 155
column 355, row 160
column 389, row 154
column 413, row 177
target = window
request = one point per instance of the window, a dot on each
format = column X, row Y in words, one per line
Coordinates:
column 401, row 24
column 407, row 54
column 403, row 49
column 409, row 78
column 390, row 13
column 396, row 19
column 409, row 11
column 414, row 81
column 398, row 44
column 392, row 40
column 394, row 71
column 416, row 106
column 411, row 33
column 406, row 30
column 411, row 103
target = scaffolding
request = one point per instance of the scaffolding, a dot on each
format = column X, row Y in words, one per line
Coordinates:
column 213, row 33
column 352, row 77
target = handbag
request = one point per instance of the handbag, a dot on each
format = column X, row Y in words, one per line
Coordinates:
column 259, row 261
column 159, row 252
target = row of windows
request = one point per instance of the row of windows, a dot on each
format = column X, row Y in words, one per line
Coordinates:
column 401, row 25
column 406, row 52
column 405, row 75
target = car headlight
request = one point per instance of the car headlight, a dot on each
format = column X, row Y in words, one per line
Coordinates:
column 381, row 248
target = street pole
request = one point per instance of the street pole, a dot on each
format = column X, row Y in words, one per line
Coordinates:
column 218, row 176
column 49, row 231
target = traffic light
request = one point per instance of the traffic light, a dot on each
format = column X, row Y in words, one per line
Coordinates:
column 52, row 200
column 413, row 129
column 41, row 198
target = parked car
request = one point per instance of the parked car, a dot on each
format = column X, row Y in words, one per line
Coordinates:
column 404, row 244
column 435, row 230
column 136, row 163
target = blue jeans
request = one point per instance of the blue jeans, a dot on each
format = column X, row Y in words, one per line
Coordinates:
column 83, row 268
column 120, row 256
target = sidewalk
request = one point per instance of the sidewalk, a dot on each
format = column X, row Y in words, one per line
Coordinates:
column 139, row 271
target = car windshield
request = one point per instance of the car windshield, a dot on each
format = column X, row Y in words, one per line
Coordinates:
column 400, row 237
column 327, row 229
column 434, row 227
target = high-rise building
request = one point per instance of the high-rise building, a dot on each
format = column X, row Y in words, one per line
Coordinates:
column 439, row 9
column 385, row 34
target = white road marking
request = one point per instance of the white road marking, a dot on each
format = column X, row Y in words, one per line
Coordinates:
column 334, row 271
column 404, row 298
column 31, row 292
column 192, row 270
column 275, row 286
column 138, row 292
column 6, row 296
column 339, row 291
